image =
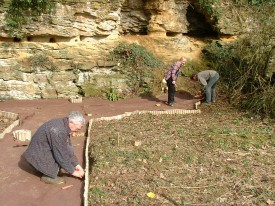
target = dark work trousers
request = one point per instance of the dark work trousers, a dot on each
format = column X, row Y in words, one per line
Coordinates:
column 171, row 91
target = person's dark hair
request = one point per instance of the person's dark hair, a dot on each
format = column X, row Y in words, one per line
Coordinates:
column 192, row 77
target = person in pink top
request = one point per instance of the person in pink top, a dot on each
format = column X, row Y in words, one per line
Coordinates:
column 171, row 77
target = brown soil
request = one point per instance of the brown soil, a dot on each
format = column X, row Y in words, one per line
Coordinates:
column 20, row 184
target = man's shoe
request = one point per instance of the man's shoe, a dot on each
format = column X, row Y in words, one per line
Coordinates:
column 54, row 181
column 171, row 104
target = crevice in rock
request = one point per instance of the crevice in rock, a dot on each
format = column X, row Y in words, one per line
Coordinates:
column 84, row 16
column 16, row 39
column 272, row 79
column 172, row 34
column 198, row 25
column 52, row 40
column 29, row 38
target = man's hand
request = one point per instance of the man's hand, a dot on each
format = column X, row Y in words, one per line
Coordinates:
column 78, row 168
column 79, row 172
column 173, row 82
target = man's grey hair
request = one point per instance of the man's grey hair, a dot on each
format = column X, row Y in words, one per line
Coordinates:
column 76, row 117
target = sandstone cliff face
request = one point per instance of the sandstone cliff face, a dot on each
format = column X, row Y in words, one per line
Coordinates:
column 67, row 50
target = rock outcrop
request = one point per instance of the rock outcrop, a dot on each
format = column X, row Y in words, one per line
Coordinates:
column 64, row 52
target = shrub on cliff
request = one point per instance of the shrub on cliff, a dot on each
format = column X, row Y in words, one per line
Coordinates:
column 140, row 65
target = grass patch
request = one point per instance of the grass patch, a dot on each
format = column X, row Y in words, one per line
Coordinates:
column 218, row 157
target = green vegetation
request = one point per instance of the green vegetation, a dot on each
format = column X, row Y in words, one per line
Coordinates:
column 104, row 86
column 134, row 55
column 212, row 7
column 254, row 2
column 245, row 65
column 112, row 94
column 218, row 157
column 140, row 66
column 91, row 90
column 243, row 69
column 98, row 194
column 22, row 12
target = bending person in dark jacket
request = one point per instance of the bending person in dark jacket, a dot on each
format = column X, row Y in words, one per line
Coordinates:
column 50, row 148
column 209, row 80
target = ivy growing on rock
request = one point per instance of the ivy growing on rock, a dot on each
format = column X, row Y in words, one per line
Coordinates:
column 21, row 12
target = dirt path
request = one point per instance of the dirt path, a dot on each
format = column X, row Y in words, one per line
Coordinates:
column 20, row 184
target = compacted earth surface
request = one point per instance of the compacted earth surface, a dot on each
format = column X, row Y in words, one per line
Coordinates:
column 20, row 184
